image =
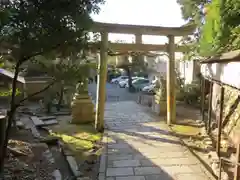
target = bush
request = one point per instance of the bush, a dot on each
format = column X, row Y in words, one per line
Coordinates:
column 192, row 93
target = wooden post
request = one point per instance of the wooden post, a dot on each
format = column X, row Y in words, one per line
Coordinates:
column 2, row 138
column 236, row 141
column 237, row 168
column 220, row 169
column 210, row 108
column 101, row 85
column 220, row 122
column 171, row 101
column 203, row 83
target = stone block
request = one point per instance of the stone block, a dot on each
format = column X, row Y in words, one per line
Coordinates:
column 120, row 171
column 147, row 170
column 131, row 178
column 126, row 163
column 163, row 176
column 73, row 165
column 82, row 109
column 101, row 176
column 102, row 167
column 191, row 177
column 120, row 156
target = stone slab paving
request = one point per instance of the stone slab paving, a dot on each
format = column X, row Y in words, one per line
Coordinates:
column 137, row 147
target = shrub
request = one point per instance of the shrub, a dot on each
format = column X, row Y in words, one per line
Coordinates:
column 192, row 93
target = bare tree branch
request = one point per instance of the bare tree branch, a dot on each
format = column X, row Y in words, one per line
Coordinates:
column 36, row 93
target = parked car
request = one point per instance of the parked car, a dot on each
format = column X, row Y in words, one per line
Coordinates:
column 150, row 88
column 124, row 83
column 118, row 79
column 140, row 83
column 127, row 85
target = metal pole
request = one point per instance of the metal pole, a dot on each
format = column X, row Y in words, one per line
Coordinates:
column 210, row 108
column 101, row 83
column 220, row 122
column 171, row 101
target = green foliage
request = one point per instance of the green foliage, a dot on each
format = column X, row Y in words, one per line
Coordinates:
column 229, row 38
column 219, row 29
column 222, row 28
column 192, row 93
column 211, row 29
column 29, row 28
column 70, row 70
column 4, row 93
column 192, row 10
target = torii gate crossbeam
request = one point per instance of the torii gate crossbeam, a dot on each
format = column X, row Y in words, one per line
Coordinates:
column 138, row 31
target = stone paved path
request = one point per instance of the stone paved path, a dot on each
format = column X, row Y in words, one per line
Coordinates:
column 139, row 148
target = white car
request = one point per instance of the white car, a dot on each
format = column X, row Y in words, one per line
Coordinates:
column 133, row 80
column 149, row 88
column 118, row 79
column 124, row 83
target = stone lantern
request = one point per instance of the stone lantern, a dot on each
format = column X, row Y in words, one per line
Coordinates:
column 82, row 105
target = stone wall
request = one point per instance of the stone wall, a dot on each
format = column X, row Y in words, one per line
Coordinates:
column 231, row 112
column 227, row 73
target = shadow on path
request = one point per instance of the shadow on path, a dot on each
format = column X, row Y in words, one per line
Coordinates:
column 139, row 148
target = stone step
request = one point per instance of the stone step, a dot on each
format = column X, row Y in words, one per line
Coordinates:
column 37, row 121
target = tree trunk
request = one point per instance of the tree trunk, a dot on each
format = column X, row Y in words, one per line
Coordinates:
column 11, row 112
column 129, row 74
column 60, row 98
column 2, row 138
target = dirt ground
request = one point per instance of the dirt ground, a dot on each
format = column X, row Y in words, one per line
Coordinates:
column 32, row 164
column 30, row 158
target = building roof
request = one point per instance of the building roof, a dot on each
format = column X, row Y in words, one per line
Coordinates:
column 11, row 75
column 232, row 56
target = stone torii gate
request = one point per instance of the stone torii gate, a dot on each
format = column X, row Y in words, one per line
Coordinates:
column 138, row 31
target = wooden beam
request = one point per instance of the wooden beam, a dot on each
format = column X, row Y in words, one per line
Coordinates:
column 125, row 47
column 144, row 30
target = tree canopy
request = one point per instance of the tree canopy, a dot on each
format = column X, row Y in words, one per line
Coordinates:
column 35, row 27
column 220, row 27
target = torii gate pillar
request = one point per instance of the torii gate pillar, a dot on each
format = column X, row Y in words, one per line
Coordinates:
column 171, row 76
column 101, row 83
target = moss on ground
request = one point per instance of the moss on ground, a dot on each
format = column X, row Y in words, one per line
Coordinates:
column 187, row 130
column 79, row 139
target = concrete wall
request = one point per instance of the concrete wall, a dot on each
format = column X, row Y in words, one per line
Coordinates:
column 228, row 73
column 188, row 70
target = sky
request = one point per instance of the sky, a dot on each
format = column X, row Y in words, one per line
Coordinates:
column 141, row 12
